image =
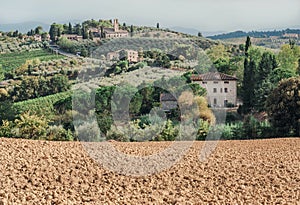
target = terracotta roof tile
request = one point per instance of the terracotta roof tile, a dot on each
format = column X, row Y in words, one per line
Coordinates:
column 213, row 76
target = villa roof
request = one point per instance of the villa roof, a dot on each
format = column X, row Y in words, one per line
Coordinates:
column 212, row 76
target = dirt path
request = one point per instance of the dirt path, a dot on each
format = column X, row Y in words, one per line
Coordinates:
column 238, row 172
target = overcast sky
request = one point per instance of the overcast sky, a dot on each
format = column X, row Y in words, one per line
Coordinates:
column 204, row 15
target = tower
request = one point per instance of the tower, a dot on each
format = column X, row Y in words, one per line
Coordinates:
column 116, row 25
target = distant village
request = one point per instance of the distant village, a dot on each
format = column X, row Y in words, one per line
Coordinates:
column 102, row 32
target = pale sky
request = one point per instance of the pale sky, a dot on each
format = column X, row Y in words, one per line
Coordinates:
column 203, row 15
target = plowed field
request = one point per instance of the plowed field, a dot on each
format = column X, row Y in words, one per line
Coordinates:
column 237, row 172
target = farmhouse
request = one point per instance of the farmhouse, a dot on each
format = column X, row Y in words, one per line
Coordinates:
column 72, row 37
column 131, row 55
column 291, row 35
column 221, row 88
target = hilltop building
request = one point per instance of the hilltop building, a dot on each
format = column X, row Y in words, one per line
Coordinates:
column 114, row 32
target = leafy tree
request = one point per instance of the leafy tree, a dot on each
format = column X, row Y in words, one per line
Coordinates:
column 146, row 91
column 267, row 64
column 44, row 36
column 16, row 33
column 55, row 31
column 7, row 110
column 61, row 83
column 279, row 74
column 123, row 94
column 78, row 29
column 105, row 121
column 263, row 85
column 38, row 30
column 289, row 56
column 283, row 108
column 217, row 52
column 197, row 89
column 200, row 34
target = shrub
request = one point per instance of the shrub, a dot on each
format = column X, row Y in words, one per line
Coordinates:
column 169, row 133
column 58, row 133
column 89, row 132
column 6, row 129
column 31, row 126
column 203, row 129
column 115, row 134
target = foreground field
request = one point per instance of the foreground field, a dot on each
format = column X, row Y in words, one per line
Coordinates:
column 238, row 172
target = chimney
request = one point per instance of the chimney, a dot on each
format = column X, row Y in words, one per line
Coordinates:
column 116, row 25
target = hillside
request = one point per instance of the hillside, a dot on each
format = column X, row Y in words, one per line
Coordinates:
column 23, row 27
column 255, row 34
column 238, row 172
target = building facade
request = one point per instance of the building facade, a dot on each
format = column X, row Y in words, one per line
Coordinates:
column 168, row 102
column 72, row 37
column 131, row 55
column 221, row 88
column 114, row 32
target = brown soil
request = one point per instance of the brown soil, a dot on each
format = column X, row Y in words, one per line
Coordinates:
column 238, row 172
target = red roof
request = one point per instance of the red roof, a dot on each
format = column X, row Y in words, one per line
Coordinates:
column 212, row 76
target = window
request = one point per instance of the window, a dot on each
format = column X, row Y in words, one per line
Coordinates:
column 215, row 101
column 226, row 82
column 225, row 103
column 221, row 90
column 226, row 90
column 216, row 82
column 215, row 90
column 204, row 82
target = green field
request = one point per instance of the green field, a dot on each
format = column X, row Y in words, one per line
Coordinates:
column 14, row 60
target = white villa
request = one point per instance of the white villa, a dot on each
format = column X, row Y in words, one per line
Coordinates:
column 221, row 88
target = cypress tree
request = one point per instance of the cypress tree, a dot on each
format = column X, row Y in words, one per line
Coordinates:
column 248, row 44
column 70, row 29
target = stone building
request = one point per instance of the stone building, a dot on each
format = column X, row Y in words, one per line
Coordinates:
column 131, row 55
column 114, row 32
column 221, row 88
column 72, row 37
column 168, row 102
